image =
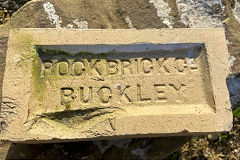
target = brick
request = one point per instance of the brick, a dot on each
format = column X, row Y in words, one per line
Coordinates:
column 66, row 85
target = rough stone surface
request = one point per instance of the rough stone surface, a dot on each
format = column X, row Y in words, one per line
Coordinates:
column 233, row 83
column 57, row 90
column 4, row 147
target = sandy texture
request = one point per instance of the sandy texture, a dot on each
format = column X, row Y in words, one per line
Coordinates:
column 81, row 93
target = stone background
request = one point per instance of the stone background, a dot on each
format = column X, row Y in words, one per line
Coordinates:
column 139, row 14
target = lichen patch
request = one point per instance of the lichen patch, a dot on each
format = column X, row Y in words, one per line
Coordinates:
column 81, row 24
column 129, row 22
column 52, row 16
column 202, row 13
column 163, row 11
column 236, row 11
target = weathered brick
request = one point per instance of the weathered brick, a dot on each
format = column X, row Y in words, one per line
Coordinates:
column 62, row 85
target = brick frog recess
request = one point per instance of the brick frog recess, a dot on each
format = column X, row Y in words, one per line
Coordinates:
column 66, row 85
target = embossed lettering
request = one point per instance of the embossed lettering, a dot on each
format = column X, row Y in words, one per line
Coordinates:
column 117, row 67
column 91, row 67
column 192, row 64
column 160, row 92
column 105, row 94
column 147, row 66
column 78, row 68
column 63, row 68
column 140, row 95
column 127, row 67
column 162, row 62
column 47, row 66
column 125, row 97
column 67, row 96
column 181, row 65
column 113, row 68
column 54, row 67
column 86, row 94
column 177, row 88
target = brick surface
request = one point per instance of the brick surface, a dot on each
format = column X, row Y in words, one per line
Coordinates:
column 65, row 85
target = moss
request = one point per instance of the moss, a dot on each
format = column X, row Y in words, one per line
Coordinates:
column 59, row 52
column 68, row 106
column 38, row 81
column 222, row 136
column 25, row 43
column 236, row 112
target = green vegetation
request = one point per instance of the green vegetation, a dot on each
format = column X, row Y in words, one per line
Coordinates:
column 236, row 112
column 60, row 52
